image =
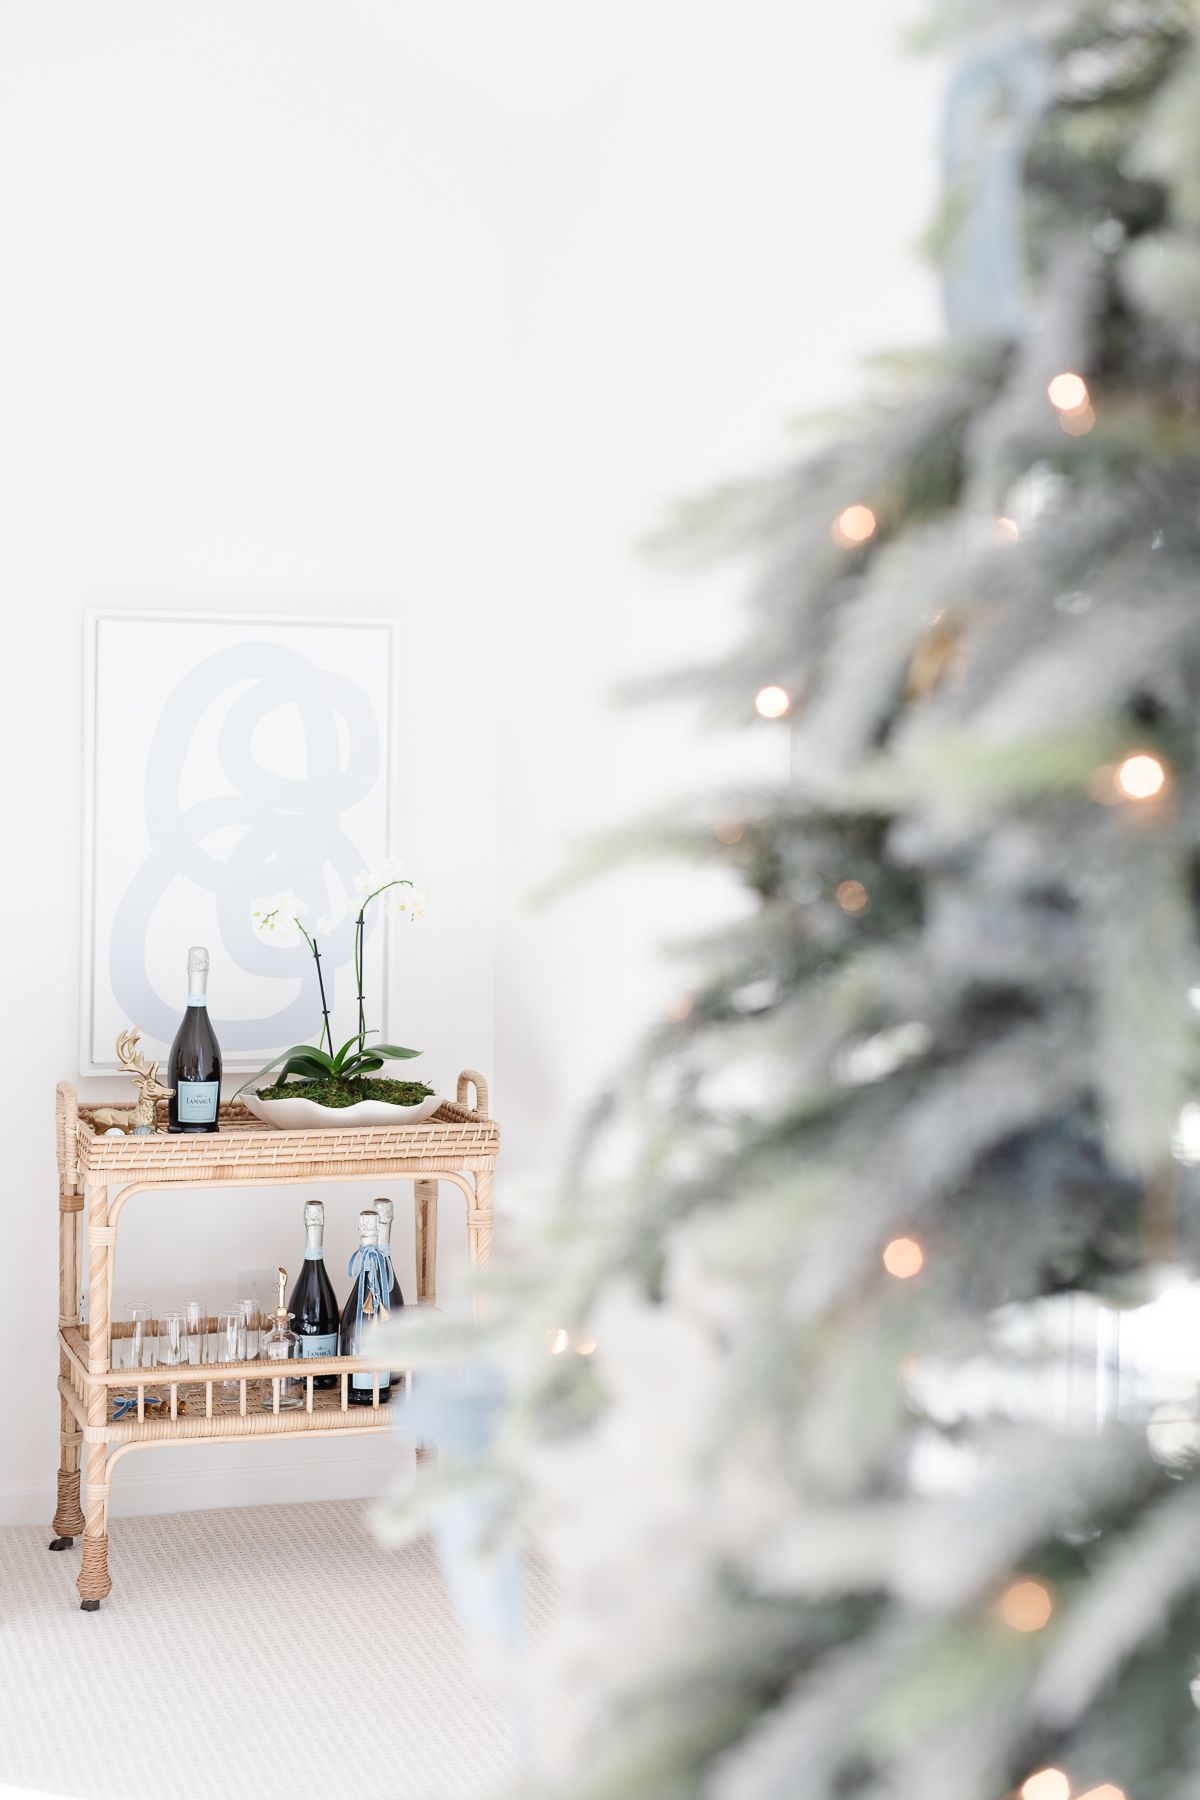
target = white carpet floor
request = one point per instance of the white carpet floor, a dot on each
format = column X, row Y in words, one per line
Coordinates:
column 275, row 1653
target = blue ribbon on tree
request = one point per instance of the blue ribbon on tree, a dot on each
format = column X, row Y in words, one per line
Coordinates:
column 993, row 106
column 373, row 1267
column 127, row 1403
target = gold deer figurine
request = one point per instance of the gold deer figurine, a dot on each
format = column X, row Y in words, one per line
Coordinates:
column 141, row 1119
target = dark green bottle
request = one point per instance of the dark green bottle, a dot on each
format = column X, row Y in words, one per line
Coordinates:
column 194, row 1065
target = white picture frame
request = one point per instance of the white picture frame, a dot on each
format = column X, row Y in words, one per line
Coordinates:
column 192, row 718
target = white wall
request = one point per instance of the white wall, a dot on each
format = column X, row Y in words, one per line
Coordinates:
column 251, row 339
column 705, row 250
column 363, row 307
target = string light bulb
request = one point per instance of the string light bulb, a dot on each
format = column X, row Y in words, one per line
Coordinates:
column 584, row 1346
column 1140, row 777
column 772, row 702
column 1007, row 530
column 854, row 525
column 903, row 1258
column 729, row 831
column 560, row 1338
column 852, row 896
column 1068, row 392
column 1047, row 1784
column 1106, row 1791
column 1078, row 424
column 1026, row 1606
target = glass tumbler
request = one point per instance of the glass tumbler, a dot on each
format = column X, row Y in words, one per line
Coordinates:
column 196, row 1321
column 172, row 1338
column 142, row 1339
column 251, row 1326
column 229, row 1343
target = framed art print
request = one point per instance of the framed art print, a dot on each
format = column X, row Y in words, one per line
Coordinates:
column 227, row 760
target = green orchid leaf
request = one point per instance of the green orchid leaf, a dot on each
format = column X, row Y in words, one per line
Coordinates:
column 292, row 1050
column 395, row 1050
column 339, row 1064
column 306, row 1066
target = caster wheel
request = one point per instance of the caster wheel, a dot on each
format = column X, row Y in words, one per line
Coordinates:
column 89, row 1606
column 62, row 1543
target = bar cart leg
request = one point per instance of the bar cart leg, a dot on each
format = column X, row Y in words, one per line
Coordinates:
column 93, row 1583
column 425, row 1219
column 479, row 1229
column 425, row 1214
column 68, row 1518
column 479, row 1221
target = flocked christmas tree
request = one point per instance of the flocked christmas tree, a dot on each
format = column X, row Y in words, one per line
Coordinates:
column 777, row 1405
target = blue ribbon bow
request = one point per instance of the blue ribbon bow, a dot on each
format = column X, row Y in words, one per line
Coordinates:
column 127, row 1403
column 373, row 1268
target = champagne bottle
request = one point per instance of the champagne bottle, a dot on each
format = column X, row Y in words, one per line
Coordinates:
column 387, row 1214
column 313, row 1304
column 194, row 1065
column 365, row 1312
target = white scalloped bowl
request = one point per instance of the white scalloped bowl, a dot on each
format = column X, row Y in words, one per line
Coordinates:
column 309, row 1115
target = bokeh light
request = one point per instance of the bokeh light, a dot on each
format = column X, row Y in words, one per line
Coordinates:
column 1026, row 1606
column 852, row 896
column 559, row 1338
column 854, row 525
column 584, row 1346
column 1141, row 777
column 1007, row 530
column 1185, row 1144
column 1068, row 392
column 903, row 1258
column 1078, row 424
column 1106, row 1791
column 1047, row 1784
column 772, row 702
column 729, row 831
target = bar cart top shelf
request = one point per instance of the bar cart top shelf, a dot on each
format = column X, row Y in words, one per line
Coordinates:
column 245, row 1150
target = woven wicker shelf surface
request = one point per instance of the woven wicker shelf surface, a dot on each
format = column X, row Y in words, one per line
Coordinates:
column 227, row 1419
column 73, row 1339
column 245, row 1148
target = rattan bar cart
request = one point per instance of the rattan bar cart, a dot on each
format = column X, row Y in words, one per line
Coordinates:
column 114, row 1411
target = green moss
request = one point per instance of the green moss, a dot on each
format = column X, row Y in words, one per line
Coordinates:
column 348, row 1093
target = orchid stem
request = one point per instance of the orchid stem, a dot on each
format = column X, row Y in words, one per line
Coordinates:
column 399, row 881
column 358, row 970
column 324, row 1003
column 312, row 944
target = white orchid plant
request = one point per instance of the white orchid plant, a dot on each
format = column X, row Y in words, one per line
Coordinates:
column 280, row 920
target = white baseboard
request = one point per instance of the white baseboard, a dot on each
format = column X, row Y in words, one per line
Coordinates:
column 27, row 1502
column 226, row 1476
